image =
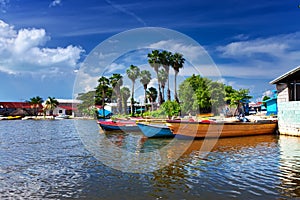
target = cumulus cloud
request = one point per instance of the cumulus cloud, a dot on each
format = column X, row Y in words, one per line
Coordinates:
column 23, row 51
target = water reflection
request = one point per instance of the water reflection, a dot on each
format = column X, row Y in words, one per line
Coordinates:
column 46, row 159
column 290, row 165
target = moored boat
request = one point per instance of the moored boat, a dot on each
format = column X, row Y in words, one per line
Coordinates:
column 118, row 125
column 155, row 130
column 221, row 129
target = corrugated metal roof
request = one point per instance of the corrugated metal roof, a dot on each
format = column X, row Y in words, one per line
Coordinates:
column 284, row 76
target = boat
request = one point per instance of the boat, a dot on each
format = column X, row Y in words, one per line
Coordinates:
column 62, row 116
column 155, row 130
column 11, row 118
column 215, row 129
column 118, row 125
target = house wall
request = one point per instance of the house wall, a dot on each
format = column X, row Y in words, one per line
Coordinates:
column 283, row 93
column 289, row 118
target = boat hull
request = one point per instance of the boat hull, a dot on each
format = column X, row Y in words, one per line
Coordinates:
column 213, row 130
column 118, row 126
column 155, row 130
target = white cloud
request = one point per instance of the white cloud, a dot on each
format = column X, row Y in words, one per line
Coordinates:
column 261, row 57
column 188, row 50
column 55, row 3
column 22, row 51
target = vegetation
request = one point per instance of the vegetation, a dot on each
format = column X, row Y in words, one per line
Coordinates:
column 133, row 73
column 35, row 104
column 171, row 108
column 145, row 78
column 50, row 104
column 196, row 94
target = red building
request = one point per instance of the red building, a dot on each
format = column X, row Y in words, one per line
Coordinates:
column 19, row 109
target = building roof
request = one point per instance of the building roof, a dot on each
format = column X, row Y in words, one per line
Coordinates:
column 67, row 107
column 69, row 101
column 17, row 105
column 294, row 74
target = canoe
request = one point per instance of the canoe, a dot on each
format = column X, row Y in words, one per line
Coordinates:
column 221, row 129
column 155, row 130
column 118, row 125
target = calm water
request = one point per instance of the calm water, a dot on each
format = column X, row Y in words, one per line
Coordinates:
column 48, row 160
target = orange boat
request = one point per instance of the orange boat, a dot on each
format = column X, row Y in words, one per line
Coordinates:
column 211, row 129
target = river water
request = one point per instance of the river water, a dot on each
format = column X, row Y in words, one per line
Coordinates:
column 51, row 159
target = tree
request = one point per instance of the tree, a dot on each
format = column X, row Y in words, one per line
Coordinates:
column 133, row 73
column 116, row 82
column 152, row 96
column 88, row 103
column 125, row 94
column 145, row 78
column 177, row 61
column 217, row 96
column 165, row 59
column 265, row 98
column 171, row 108
column 103, row 91
column 154, row 61
column 50, row 104
column 162, row 78
column 36, row 104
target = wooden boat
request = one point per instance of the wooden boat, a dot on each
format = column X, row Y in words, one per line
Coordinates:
column 155, row 130
column 11, row 118
column 210, row 129
column 118, row 125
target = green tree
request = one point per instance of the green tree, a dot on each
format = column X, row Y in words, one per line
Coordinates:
column 171, row 108
column 87, row 106
column 50, row 104
column 125, row 94
column 154, row 61
column 116, row 82
column 162, row 78
column 177, row 61
column 152, row 96
column 265, row 98
column 133, row 73
column 103, row 91
column 217, row 96
column 36, row 103
column 145, row 78
column 165, row 59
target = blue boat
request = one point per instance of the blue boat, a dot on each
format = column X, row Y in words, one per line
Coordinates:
column 155, row 130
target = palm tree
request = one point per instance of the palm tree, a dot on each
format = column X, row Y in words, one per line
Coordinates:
column 36, row 104
column 116, row 82
column 154, row 61
column 165, row 58
column 162, row 77
column 177, row 64
column 133, row 73
column 125, row 94
column 50, row 104
column 152, row 96
column 145, row 78
column 103, row 89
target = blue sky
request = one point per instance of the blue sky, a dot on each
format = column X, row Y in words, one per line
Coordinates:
column 43, row 43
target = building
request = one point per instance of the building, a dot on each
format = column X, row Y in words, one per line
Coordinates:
column 19, row 109
column 288, row 102
column 66, row 107
column 271, row 104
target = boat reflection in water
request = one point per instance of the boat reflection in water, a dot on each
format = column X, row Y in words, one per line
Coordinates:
column 238, row 167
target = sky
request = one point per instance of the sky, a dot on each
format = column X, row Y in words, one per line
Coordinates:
column 44, row 44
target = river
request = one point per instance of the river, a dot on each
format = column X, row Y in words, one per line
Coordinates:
column 53, row 159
